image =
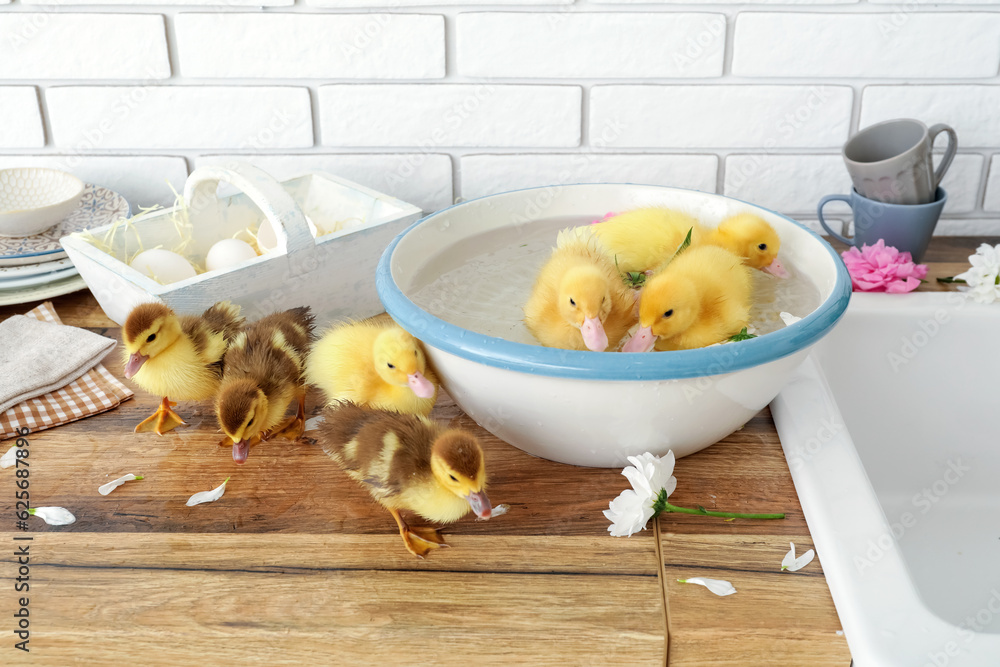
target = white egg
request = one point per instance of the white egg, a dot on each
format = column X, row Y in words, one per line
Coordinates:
column 163, row 266
column 268, row 241
column 228, row 252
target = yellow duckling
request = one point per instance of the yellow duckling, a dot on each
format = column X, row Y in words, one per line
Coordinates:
column 373, row 363
column 700, row 298
column 749, row 237
column 408, row 462
column 579, row 301
column 180, row 356
column 643, row 239
column 263, row 373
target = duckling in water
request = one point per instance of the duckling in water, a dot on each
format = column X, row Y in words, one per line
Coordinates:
column 700, row 298
column 579, row 301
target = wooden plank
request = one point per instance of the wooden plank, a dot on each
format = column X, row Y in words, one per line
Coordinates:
column 775, row 618
column 278, row 599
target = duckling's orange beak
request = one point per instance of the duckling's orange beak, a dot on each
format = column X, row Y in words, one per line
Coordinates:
column 642, row 341
column 594, row 336
column 420, row 385
column 480, row 504
column 241, row 450
column 134, row 363
column 777, row 269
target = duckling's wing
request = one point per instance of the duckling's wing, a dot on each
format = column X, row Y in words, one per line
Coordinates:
column 208, row 344
column 224, row 317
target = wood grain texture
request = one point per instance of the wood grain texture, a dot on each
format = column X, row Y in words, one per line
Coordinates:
column 775, row 618
column 297, row 565
column 315, row 599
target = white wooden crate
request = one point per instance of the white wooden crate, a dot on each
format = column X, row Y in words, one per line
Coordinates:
column 334, row 273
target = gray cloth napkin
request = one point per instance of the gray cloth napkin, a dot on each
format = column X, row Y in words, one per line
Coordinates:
column 38, row 357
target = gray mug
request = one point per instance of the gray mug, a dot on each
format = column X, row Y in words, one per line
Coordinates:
column 908, row 228
column 892, row 161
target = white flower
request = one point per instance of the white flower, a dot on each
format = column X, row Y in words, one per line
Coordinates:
column 54, row 516
column 793, row 564
column 649, row 474
column 632, row 509
column 629, row 513
column 10, row 458
column 111, row 486
column 788, row 318
column 717, row 586
column 207, row 496
column 983, row 277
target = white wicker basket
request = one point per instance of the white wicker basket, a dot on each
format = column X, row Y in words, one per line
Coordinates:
column 334, row 273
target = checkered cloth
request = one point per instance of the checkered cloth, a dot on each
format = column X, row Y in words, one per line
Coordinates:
column 93, row 392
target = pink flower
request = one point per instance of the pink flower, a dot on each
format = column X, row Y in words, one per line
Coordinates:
column 606, row 216
column 882, row 268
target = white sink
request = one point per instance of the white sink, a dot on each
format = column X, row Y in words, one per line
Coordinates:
column 890, row 429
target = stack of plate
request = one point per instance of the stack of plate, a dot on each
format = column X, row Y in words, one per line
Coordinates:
column 36, row 267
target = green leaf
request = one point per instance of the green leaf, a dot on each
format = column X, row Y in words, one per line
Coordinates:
column 742, row 335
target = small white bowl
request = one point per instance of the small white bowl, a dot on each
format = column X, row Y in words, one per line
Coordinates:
column 33, row 199
column 597, row 408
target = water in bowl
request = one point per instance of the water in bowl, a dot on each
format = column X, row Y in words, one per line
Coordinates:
column 482, row 283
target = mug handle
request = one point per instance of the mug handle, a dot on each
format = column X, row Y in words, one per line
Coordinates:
column 819, row 212
column 949, row 152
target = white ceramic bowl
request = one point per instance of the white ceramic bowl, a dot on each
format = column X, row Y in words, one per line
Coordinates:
column 33, row 199
column 596, row 408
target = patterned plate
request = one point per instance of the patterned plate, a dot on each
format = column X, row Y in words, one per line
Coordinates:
column 98, row 206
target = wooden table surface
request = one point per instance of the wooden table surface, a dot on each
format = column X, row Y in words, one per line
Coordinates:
column 296, row 565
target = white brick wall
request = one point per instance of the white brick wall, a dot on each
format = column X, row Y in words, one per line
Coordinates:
column 867, row 45
column 431, row 100
column 488, row 174
column 722, row 116
column 236, row 117
column 21, row 125
column 320, row 46
column 82, row 46
column 485, row 114
column 620, row 46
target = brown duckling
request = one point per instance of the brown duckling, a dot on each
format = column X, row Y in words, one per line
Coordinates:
column 407, row 462
column 264, row 372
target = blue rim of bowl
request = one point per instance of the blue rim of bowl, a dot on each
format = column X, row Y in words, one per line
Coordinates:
column 620, row 366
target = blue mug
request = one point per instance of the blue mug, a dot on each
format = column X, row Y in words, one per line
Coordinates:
column 906, row 227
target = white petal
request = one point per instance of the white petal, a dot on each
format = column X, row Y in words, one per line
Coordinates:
column 628, row 513
column 10, row 458
column 717, row 586
column 499, row 510
column 793, row 564
column 105, row 489
column 788, row 318
column 207, row 496
column 54, row 516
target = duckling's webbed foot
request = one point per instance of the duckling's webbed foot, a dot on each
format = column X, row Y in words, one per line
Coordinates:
column 161, row 421
column 419, row 541
column 294, row 429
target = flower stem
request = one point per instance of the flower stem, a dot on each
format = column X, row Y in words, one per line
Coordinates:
column 951, row 279
column 661, row 505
